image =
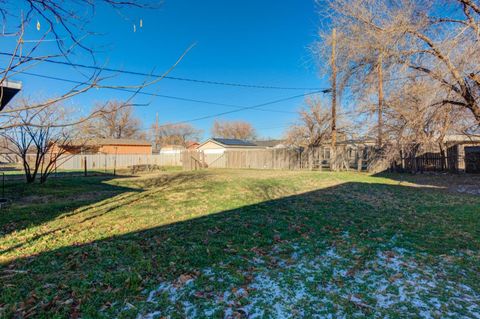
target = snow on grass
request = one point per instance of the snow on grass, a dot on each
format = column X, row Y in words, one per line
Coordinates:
column 335, row 283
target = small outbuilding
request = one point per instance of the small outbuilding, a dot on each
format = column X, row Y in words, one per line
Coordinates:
column 467, row 149
column 220, row 145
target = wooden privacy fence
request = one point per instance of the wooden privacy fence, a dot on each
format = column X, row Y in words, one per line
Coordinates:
column 430, row 161
column 287, row 159
column 108, row 161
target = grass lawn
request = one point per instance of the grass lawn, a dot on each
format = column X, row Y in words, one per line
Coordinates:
column 242, row 243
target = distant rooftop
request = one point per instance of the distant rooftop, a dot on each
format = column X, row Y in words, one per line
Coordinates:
column 232, row 142
column 269, row 143
column 115, row 141
column 462, row 138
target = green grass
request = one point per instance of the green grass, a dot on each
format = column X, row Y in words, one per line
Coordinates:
column 219, row 243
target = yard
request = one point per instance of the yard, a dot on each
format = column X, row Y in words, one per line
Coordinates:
column 242, row 243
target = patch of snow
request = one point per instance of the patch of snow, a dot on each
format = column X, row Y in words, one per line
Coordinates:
column 321, row 286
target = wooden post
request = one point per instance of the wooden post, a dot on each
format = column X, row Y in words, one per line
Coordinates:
column 359, row 158
column 380, row 101
column 85, row 166
column 115, row 162
column 334, row 101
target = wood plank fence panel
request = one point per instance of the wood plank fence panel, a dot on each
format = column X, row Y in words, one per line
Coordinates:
column 108, row 161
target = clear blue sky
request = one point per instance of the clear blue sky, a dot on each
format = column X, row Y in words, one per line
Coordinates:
column 260, row 42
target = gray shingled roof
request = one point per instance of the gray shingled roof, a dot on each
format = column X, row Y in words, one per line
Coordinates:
column 269, row 143
column 233, row 142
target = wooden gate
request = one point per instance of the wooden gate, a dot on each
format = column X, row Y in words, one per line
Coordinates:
column 193, row 160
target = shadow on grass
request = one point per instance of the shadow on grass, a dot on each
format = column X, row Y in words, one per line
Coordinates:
column 35, row 204
column 456, row 183
column 83, row 279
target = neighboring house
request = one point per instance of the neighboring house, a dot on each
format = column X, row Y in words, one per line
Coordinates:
column 109, row 146
column 467, row 150
column 8, row 90
column 271, row 143
column 220, row 145
column 192, row 145
column 172, row 149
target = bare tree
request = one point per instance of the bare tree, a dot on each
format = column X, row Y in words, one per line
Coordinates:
column 413, row 126
column 411, row 39
column 313, row 127
column 41, row 142
column 66, row 24
column 175, row 134
column 233, row 129
column 115, row 119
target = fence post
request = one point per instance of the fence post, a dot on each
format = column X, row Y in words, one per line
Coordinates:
column 359, row 159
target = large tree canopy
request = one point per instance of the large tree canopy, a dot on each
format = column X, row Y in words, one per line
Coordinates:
column 434, row 42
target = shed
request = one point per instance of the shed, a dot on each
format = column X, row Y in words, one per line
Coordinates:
column 467, row 148
column 172, row 149
column 220, row 145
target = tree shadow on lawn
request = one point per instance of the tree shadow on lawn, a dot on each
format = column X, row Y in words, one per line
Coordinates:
column 454, row 183
column 88, row 278
column 35, row 204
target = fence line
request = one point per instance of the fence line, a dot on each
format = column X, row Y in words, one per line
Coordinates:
column 106, row 161
column 346, row 157
column 286, row 159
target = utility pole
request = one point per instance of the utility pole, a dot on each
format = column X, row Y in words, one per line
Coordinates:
column 380, row 101
column 334, row 100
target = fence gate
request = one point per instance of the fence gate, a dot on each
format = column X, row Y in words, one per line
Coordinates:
column 193, row 160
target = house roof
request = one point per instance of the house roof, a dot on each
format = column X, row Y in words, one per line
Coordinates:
column 269, row 143
column 114, row 141
column 462, row 138
column 232, row 142
column 192, row 144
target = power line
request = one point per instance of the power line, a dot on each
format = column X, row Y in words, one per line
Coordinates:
column 244, row 108
column 238, row 108
column 153, row 94
column 92, row 67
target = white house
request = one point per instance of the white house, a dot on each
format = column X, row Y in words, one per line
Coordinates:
column 220, row 145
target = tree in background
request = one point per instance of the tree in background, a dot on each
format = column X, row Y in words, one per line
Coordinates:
column 175, row 134
column 61, row 31
column 233, row 129
column 415, row 121
column 41, row 141
column 115, row 119
column 407, row 43
column 312, row 127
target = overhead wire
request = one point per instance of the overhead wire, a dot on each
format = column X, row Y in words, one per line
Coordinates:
column 151, row 94
column 98, row 68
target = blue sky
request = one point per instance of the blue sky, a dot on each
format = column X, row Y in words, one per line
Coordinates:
column 256, row 42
